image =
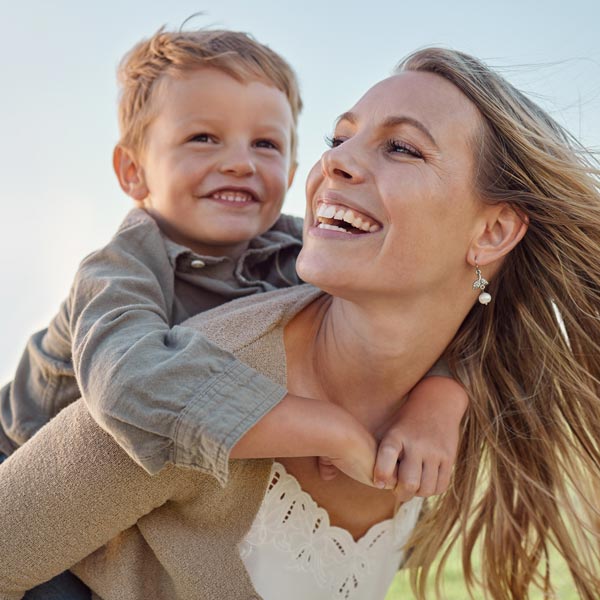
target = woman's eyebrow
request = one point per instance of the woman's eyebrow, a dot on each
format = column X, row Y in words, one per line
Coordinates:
column 404, row 120
column 391, row 122
column 347, row 116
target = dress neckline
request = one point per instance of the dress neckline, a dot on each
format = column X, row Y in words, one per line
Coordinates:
column 292, row 543
column 374, row 532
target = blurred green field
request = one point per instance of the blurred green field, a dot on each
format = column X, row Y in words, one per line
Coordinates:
column 455, row 589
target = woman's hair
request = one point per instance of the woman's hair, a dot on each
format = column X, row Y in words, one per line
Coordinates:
column 527, row 474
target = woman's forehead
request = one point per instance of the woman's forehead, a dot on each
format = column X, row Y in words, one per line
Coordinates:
column 426, row 97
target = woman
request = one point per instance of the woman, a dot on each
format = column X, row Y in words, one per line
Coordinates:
column 461, row 180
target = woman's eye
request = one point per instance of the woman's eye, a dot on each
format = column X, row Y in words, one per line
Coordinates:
column 334, row 142
column 396, row 146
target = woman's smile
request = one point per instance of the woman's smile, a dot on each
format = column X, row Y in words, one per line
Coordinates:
column 338, row 217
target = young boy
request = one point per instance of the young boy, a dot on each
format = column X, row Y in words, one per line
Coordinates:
column 207, row 152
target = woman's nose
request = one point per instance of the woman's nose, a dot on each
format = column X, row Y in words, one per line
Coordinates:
column 340, row 163
column 237, row 162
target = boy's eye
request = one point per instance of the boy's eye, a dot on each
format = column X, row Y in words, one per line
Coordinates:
column 269, row 144
column 203, row 138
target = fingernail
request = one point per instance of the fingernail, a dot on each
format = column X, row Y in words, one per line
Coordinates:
column 380, row 484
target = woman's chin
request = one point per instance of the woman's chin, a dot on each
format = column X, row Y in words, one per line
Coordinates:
column 333, row 277
column 318, row 270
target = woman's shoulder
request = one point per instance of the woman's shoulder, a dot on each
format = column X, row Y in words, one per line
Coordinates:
column 241, row 322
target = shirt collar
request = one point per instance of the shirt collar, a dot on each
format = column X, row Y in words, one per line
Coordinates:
column 261, row 247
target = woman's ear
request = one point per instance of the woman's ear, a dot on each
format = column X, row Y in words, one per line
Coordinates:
column 129, row 173
column 502, row 229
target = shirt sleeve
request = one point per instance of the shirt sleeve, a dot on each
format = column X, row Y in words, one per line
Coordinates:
column 44, row 384
column 166, row 394
column 65, row 493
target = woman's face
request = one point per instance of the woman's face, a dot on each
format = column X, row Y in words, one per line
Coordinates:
column 391, row 207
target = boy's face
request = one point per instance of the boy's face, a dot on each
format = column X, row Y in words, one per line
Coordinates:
column 216, row 163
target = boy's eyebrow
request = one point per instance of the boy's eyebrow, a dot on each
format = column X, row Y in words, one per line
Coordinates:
column 391, row 122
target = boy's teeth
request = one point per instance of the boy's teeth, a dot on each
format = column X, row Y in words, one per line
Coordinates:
column 339, row 213
column 333, row 228
column 233, row 196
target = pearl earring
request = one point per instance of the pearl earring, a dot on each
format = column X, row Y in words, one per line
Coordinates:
column 479, row 284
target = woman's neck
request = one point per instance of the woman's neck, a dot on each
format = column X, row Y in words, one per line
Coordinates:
column 364, row 358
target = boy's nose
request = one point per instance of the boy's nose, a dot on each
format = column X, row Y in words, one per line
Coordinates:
column 238, row 163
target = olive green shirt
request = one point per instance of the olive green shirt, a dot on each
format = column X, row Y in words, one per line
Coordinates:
column 165, row 392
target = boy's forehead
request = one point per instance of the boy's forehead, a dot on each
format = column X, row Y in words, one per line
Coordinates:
column 210, row 95
column 209, row 89
column 214, row 81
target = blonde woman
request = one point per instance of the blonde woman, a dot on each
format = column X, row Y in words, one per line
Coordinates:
column 483, row 241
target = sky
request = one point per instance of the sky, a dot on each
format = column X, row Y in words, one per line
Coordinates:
column 58, row 196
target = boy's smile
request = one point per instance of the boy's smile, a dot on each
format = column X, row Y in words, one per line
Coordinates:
column 216, row 162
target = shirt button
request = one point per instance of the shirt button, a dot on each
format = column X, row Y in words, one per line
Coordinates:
column 197, row 263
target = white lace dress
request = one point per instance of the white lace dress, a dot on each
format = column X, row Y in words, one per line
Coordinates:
column 292, row 552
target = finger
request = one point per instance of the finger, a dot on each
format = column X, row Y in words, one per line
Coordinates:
column 409, row 478
column 444, row 476
column 429, row 479
column 327, row 470
column 384, row 473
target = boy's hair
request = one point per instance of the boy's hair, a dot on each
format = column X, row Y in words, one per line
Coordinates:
column 178, row 52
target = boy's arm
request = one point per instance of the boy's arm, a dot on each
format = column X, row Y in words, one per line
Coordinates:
column 43, row 384
column 424, row 439
column 306, row 427
column 166, row 394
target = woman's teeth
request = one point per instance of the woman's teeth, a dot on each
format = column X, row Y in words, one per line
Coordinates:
column 332, row 227
column 327, row 214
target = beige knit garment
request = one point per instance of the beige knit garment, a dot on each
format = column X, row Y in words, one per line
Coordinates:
column 72, row 495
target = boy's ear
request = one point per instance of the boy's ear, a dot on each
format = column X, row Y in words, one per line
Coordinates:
column 292, row 173
column 129, row 173
column 502, row 229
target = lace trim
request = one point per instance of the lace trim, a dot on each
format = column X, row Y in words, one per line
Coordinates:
column 299, row 528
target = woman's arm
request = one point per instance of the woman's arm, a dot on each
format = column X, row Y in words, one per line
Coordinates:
column 64, row 494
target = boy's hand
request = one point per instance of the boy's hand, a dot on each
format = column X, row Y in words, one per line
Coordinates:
column 356, row 457
column 306, row 427
column 327, row 470
column 417, row 453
